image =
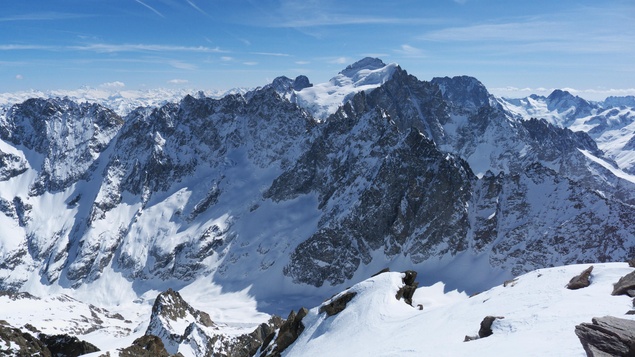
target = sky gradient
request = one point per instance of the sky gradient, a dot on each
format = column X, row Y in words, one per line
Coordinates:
column 513, row 47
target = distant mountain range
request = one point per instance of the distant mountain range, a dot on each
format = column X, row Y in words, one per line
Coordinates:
column 294, row 191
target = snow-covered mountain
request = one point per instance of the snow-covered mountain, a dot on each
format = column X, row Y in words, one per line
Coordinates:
column 291, row 192
column 610, row 123
column 120, row 100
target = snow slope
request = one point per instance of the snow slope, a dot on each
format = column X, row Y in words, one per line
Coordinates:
column 539, row 317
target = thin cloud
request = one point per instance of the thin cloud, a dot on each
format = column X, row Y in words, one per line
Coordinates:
column 192, row 4
column 150, row 7
column 108, row 48
column 270, row 54
column 44, row 16
column 178, row 81
column 115, row 84
column 19, row 77
column 410, row 51
column 183, row 65
column 250, row 63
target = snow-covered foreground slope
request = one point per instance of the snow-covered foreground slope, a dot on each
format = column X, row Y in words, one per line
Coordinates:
column 536, row 316
column 539, row 312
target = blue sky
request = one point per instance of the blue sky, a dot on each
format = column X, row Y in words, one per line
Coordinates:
column 513, row 47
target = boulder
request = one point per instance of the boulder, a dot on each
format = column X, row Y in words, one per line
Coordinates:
column 625, row 286
column 607, row 336
column 582, row 280
column 485, row 330
column 486, row 326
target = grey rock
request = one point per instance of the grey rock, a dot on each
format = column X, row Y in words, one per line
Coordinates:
column 607, row 336
column 65, row 345
column 582, row 280
column 486, row 326
column 337, row 304
column 408, row 289
column 145, row 346
column 625, row 286
column 20, row 344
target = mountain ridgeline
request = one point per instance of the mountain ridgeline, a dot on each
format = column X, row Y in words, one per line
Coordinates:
column 254, row 190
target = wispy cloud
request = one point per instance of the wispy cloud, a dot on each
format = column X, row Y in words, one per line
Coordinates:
column 270, row 54
column 410, row 51
column 250, row 63
column 28, row 47
column 182, row 65
column 19, row 77
column 115, row 84
column 178, row 81
column 43, row 16
column 192, row 4
column 339, row 60
column 103, row 47
column 150, row 7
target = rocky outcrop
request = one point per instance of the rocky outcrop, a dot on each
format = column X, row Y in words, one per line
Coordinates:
column 337, row 304
column 485, row 329
column 286, row 335
column 409, row 286
column 20, row 344
column 145, row 346
column 169, row 312
column 65, row 345
column 625, row 286
column 581, row 281
column 14, row 342
column 607, row 336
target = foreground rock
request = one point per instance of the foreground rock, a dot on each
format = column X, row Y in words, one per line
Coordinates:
column 607, row 336
column 65, row 345
column 582, row 280
column 287, row 334
column 145, row 346
column 625, row 286
column 486, row 328
column 17, row 343
column 408, row 289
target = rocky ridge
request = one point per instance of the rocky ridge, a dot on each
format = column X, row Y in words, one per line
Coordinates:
column 252, row 188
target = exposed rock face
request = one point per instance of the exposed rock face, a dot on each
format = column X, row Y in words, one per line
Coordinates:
column 626, row 285
column 337, row 304
column 286, row 335
column 65, row 345
column 145, row 346
column 168, row 312
column 485, row 329
column 582, row 280
column 408, row 289
column 607, row 336
column 20, row 344
column 486, row 326
column 70, row 137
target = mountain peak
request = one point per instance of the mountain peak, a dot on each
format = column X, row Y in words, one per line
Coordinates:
column 368, row 63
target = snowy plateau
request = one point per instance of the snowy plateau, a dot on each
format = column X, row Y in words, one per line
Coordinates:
column 163, row 223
